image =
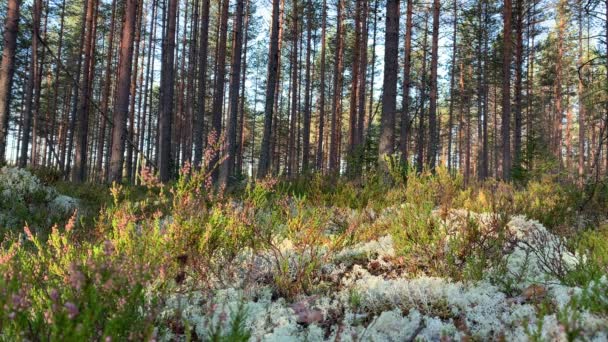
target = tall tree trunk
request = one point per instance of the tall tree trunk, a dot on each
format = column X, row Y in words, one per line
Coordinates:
column 518, row 80
column 121, row 106
column 506, row 91
column 166, row 101
column 55, row 106
column 485, row 148
column 76, row 95
column 452, row 81
column 273, row 62
column 7, row 69
column 82, row 116
column 291, row 165
column 559, row 112
column 202, row 85
column 433, row 129
column 133, row 92
column 31, row 81
column 220, row 75
column 336, row 120
column 319, row 160
column 106, row 94
column 354, row 92
column 240, row 150
column 389, row 98
column 362, row 92
column 307, row 91
column 407, row 65
column 581, row 102
column 235, row 78
column 423, row 85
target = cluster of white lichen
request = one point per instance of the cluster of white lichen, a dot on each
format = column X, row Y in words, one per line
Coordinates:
column 19, row 184
column 21, row 191
column 376, row 308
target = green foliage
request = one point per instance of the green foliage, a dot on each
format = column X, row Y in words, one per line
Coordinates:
column 62, row 290
column 236, row 332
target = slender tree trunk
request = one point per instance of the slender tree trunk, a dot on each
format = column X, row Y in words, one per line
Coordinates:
column 166, row 101
column 485, row 149
column 480, row 91
column 218, row 96
column 389, row 98
column 336, row 122
column 506, row 91
column 82, row 116
column 55, row 106
column 407, row 65
column 518, row 81
column 7, row 69
column 360, row 146
column 240, row 131
column 121, row 106
column 354, row 92
column 373, row 71
column 307, row 91
column 433, row 127
column 581, row 102
column 273, row 62
column 559, row 112
column 202, row 85
column 106, row 94
column 319, row 160
column 423, row 85
column 235, row 78
column 31, row 81
column 291, row 165
column 133, row 92
column 76, row 94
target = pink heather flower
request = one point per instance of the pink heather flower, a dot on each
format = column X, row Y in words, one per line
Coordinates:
column 28, row 232
column 54, row 295
column 18, row 301
column 48, row 317
column 108, row 247
column 71, row 222
column 72, row 309
column 12, row 315
column 108, row 339
column 77, row 279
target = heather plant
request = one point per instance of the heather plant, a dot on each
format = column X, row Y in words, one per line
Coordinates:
column 63, row 290
column 547, row 201
column 418, row 234
column 299, row 248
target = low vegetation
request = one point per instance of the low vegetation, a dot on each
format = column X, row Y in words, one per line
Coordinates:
column 424, row 259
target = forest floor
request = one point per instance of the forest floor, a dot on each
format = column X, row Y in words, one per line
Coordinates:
column 315, row 259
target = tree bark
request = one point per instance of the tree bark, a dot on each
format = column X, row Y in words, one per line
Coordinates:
column 336, row 122
column 218, row 96
column 433, row 129
column 166, row 101
column 506, row 91
column 235, row 78
column 121, row 106
column 7, row 70
column 319, row 161
column 389, row 97
column 202, row 85
column 581, row 102
column 273, row 61
column 31, row 81
column 407, row 65
column 307, row 91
